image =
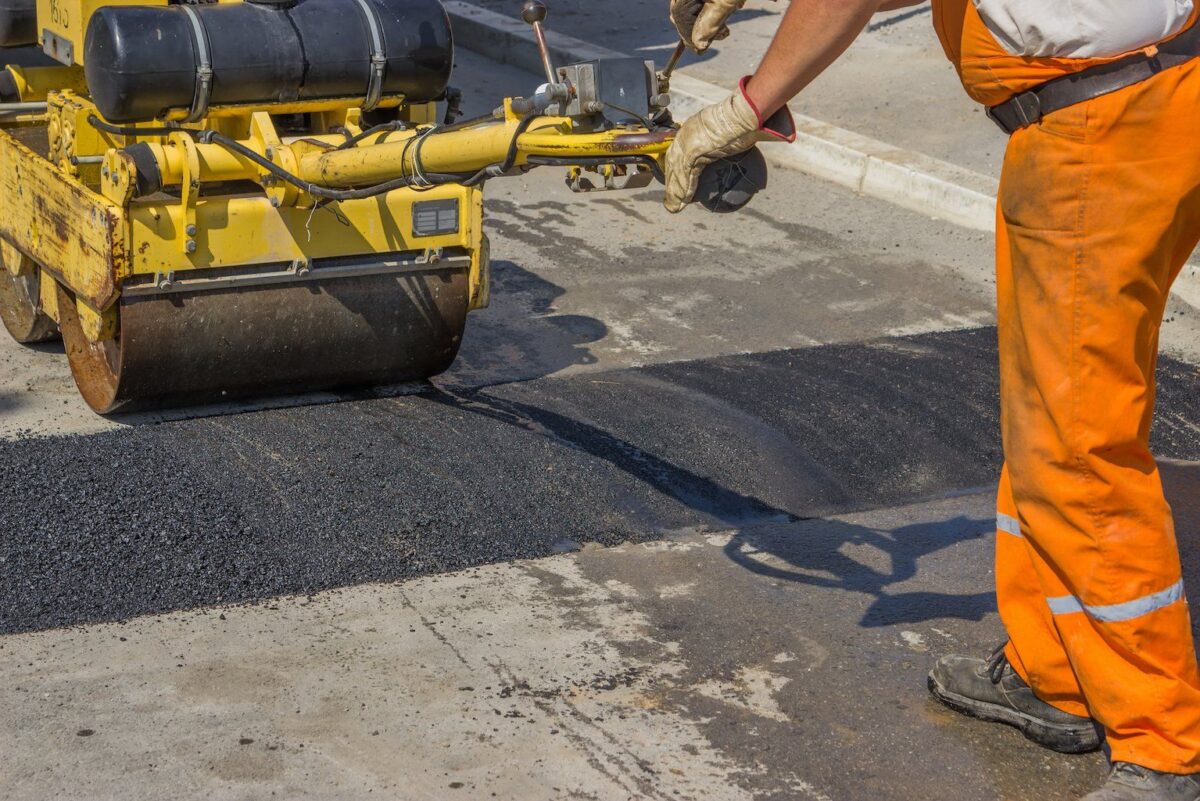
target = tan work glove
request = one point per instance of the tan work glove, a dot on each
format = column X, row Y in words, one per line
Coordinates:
column 723, row 129
column 702, row 22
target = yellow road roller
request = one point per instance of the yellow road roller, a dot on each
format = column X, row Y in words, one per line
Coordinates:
column 215, row 200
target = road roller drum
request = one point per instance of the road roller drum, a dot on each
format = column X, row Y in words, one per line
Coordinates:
column 311, row 335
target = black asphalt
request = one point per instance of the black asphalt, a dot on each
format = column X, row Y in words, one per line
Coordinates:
column 227, row 509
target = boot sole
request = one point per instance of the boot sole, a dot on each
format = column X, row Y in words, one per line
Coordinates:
column 1063, row 738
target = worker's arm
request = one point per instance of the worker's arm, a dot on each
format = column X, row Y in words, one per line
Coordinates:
column 812, row 34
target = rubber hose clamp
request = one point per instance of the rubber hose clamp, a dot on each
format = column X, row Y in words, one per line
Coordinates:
column 378, row 55
column 204, row 70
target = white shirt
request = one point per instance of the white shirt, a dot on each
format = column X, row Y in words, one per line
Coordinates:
column 1081, row 28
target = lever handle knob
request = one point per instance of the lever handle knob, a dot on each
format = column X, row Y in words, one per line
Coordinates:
column 533, row 12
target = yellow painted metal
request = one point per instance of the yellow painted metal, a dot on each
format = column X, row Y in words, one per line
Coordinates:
column 479, row 280
column 35, row 83
column 234, row 231
column 68, row 19
column 386, row 156
column 296, row 107
column 390, row 156
column 97, row 325
column 15, row 261
column 48, row 292
column 71, row 136
column 75, row 233
column 215, row 163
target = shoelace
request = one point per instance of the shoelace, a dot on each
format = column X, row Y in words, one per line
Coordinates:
column 997, row 663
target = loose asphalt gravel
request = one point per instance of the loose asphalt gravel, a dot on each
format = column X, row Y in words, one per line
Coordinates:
column 239, row 508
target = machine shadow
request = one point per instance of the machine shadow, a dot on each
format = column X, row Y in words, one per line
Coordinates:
column 520, row 336
column 766, row 536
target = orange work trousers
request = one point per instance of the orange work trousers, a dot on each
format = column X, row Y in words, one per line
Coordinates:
column 1099, row 209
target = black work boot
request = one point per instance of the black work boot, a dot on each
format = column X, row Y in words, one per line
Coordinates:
column 989, row 689
column 1129, row 782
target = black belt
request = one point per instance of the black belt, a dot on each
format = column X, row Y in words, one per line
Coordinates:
column 1029, row 107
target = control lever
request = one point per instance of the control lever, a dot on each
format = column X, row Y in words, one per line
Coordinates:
column 554, row 90
column 664, row 77
column 534, row 13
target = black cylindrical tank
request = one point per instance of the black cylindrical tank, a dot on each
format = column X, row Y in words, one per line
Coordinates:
column 18, row 23
column 143, row 60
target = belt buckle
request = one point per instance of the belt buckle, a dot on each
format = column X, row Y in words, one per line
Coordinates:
column 1025, row 110
column 994, row 117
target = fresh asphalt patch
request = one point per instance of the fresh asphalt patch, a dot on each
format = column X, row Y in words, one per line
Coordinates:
column 239, row 508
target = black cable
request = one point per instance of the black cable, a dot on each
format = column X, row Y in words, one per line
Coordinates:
column 120, row 130
column 351, row 141
column 649, row 125
column 396, row 125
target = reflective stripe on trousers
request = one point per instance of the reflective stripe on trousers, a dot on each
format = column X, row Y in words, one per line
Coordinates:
column 1108, row 613
column 1115, row 613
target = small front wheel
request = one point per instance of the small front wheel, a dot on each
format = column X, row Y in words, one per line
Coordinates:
column 20, row 298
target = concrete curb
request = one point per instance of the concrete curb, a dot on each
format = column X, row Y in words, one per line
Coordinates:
column 911, row 180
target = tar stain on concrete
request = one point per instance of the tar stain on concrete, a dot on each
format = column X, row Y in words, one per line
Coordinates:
column 241, row 508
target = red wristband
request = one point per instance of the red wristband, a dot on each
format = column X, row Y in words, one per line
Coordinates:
column 781, row 125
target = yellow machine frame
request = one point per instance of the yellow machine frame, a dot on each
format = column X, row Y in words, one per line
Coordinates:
column 87, row 231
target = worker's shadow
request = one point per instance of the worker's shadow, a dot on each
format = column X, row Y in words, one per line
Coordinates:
column 815, row 553
column 769, row 540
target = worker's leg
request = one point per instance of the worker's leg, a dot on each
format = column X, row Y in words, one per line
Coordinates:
column 1026, row 615
column 1100, row 209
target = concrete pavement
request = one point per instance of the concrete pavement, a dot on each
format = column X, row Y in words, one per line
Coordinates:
column 779, row 661
column 786, row 421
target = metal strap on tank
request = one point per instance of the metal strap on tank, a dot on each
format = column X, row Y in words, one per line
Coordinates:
column 378, row 56
column 204, row 71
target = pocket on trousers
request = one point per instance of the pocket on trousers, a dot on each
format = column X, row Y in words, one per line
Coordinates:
column 1044, row 180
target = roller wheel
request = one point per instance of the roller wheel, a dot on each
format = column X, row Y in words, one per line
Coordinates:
column 20, row 306
column 185, row 349
column 96, row 366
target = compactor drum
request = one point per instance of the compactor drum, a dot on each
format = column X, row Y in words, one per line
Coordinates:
column 225, row 199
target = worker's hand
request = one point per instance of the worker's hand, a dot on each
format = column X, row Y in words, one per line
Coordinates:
column 724, row 129
column 702, row 22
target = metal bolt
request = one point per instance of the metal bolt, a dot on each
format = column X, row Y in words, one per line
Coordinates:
column 275, row 202
column 190, row 230
column 270, row 152
column 190, row 246
column 104, row 171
